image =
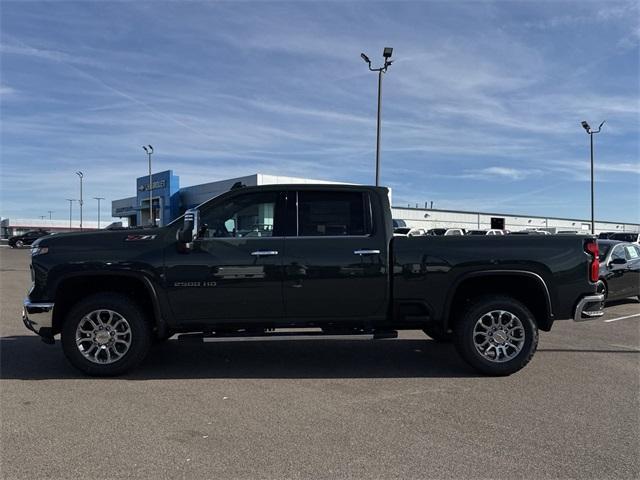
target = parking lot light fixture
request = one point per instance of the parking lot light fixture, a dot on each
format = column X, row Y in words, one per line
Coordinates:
column 591, row 132
column 386, row 53
column 81, row 176
column 98, row 199
column 149, row 150
column 70, row 200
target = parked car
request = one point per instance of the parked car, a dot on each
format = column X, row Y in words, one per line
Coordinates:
column 493, row 231
column 454, row 231
column 626, row 237
column 27, row 238
column 409, row 232
column 530, row 232
column 326, row 258
column 605, row 235
column 398, row 223
column 619, row 269
column 436, row 231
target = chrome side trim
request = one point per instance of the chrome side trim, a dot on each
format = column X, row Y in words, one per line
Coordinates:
column 37, row 316
column 264, row 253
column 366, row 252
column 581, row 314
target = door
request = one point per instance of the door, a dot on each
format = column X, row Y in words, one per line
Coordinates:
column 336, row 258
column 632, row 254
column 497, row 223
column 234, row 269
column 617, row 278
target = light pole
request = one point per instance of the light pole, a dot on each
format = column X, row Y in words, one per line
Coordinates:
column 81, row 175
column 149, row 150
column 50, row 212
column 98, row 198
column 70, row 200
column 591, row 132
column 386, row 53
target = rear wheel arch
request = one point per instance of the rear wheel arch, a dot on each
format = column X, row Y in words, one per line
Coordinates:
column 74, row 288
column 524, row 286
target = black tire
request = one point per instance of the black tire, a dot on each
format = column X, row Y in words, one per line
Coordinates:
column 601, row 287
column 464, row 335
column 140, row 334
column 437, row 334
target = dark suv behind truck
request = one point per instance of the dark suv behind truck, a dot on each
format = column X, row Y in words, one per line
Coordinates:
column 257, row 260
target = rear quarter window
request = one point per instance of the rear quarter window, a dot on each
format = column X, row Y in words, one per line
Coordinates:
column 332, row 214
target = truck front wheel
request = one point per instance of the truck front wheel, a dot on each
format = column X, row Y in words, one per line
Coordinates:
column 496, row 335
column 105, row 335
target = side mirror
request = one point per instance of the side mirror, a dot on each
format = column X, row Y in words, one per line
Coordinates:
column 189, row 230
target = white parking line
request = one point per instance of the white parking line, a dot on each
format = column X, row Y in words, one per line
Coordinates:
column 622, row 318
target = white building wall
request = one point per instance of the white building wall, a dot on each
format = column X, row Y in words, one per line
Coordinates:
column 426, row 218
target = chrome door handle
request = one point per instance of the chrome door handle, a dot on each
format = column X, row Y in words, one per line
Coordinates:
column 264, row 253
column 366, row 252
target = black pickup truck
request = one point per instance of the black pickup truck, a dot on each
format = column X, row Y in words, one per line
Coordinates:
column 316, row 259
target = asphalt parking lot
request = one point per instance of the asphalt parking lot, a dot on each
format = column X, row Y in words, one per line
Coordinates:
column 352, row 408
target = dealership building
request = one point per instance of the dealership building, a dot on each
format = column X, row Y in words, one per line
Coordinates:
column 170, row 201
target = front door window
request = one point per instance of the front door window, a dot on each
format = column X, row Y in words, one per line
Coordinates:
column 251, row 215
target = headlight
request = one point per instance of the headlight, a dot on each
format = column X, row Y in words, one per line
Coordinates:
column 39, row 251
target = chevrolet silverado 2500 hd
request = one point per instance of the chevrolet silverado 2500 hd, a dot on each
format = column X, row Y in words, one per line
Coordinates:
column 257, row 260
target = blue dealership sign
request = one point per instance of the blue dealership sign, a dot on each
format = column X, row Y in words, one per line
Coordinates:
column 165, row 193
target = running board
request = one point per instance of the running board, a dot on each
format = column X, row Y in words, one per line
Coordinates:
column 288, row 334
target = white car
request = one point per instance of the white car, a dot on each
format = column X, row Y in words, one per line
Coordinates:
column 409, row 232
column 491, row 231
column 454, row 231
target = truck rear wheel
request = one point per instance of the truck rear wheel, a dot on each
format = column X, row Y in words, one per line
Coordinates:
column 105, row 335
column 496, row 335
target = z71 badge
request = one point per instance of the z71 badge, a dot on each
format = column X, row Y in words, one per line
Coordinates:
column 138, row 238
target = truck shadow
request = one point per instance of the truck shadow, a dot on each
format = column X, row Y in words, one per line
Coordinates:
column 27, row 358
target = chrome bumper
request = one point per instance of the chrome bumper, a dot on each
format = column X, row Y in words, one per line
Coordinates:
column 38, row 317
column 589, row 308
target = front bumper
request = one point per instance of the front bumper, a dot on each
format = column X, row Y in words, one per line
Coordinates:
column 589, row 308
column 38, row 317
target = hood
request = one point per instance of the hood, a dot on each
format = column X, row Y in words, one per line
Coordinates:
column 101, row 239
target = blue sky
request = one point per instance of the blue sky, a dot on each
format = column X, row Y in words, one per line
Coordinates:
column 481, row 110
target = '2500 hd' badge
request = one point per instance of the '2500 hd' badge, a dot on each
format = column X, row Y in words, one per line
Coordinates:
column 138, row 238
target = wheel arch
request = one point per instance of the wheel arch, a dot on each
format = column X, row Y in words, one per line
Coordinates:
column 523, row 285
column 73, row 287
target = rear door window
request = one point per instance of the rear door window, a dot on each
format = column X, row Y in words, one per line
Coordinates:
column 333, row 214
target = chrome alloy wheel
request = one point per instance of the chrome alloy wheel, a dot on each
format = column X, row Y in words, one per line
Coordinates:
column 103, row 336
column 498, row 336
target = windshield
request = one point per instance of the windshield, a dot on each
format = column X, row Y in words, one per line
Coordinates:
column 476, row 232
column 624, row 237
